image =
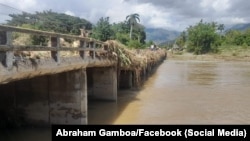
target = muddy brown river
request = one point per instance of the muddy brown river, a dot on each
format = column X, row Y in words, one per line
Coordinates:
column 179, row 92
column 183, row 92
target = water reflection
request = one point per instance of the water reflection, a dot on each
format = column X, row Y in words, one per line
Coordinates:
column 202, row 73
column 106, row 112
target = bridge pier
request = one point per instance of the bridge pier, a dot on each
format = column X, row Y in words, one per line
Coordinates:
column 68, row 98
column 102, row 83
column 126, row 79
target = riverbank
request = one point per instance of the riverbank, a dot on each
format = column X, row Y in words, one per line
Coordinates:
column 207, row 57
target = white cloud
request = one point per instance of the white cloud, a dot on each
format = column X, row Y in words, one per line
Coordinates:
column 218, row 6
column 236, row 20
column 68, row 12
column 119, row 12
column 153, row 16
column 27, row 4
column 150, row 15
column 22, row 5
column 221, row 5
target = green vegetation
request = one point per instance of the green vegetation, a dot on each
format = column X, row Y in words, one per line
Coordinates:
column 203, row 38
column 50, row 21
column 233, row 50
column 102, row 31
column 129, row 32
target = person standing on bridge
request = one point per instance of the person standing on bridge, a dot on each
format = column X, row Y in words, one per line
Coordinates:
column 153, row 47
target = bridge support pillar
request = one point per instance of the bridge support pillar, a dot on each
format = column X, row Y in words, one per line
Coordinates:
column 104, row 83
column 126, row 80
column 68, row 98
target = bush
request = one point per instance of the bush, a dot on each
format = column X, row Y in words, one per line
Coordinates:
column 134, row 44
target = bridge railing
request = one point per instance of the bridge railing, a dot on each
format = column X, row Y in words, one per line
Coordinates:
column 7, row 48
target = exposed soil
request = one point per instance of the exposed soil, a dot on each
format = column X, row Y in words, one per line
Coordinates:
column 206, row 57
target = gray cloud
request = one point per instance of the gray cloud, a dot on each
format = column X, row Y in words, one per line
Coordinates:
column 240, row 8
column 228, row 11
column 170, row 14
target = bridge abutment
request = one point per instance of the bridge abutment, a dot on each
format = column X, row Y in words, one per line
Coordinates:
column 45, row 100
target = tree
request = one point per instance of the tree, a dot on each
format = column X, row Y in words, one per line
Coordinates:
column 201, row 37
column 221, row 27
column 139, row 33
column 132, row 21
column 181, row 40
column 102, row 31
column 231, row 37
column 121, row 31
column 50, row 21
column 247, row 35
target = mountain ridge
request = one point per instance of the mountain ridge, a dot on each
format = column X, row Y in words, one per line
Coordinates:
column 240, row 27
column 159, row 35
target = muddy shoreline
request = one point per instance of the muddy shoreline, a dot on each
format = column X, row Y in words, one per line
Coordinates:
column 206, row 57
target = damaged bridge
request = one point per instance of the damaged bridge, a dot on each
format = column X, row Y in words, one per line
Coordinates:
column 50, row 83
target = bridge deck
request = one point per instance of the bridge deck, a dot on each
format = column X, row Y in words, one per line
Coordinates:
column 55, row 58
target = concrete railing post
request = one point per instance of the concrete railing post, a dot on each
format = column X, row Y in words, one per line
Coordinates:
column 94, row 47
column 91, row 53
column 9, row 54
column 2, row 42
column 83, row 44
column 6, row 57
column 55, row 42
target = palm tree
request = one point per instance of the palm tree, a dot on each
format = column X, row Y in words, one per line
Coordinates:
column 132, row 20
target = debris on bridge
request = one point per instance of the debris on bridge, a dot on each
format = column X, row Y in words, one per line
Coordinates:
column 135, row 58
column 139, row 61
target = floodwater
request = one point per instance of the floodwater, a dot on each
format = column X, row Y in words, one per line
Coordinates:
column 179, row 92
column 183, row 92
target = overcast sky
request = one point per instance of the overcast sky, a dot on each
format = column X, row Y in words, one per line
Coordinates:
column 168, row 14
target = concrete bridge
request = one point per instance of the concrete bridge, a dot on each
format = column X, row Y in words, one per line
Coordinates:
column 51, row 84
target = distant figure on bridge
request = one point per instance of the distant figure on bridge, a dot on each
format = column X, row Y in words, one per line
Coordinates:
column 153, row 47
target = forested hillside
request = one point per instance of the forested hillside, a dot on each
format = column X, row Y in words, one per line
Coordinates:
column 50, row 21
column 129, row 32
column 240, row 27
